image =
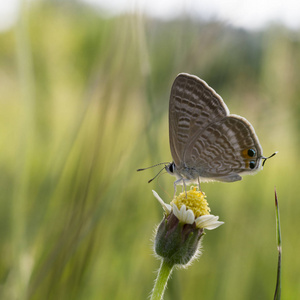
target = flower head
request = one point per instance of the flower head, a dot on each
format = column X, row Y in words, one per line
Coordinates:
column 190, row 207
column 178, row 235
column 193, row 200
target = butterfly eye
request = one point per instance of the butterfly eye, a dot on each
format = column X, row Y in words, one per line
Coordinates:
column 251, row 153
column 252, row 164
column 171, row 167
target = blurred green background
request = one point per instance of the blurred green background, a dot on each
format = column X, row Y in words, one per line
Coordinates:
column 84, row 103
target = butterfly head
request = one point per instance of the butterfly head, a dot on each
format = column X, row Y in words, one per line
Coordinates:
column 171, row 168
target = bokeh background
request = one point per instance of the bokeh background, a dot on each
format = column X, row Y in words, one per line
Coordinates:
column 84, row 103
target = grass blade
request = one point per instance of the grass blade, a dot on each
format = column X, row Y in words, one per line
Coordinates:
column 277, row 295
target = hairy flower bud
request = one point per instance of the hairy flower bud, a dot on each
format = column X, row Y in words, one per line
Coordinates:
column 178, row 236
column 177, row 242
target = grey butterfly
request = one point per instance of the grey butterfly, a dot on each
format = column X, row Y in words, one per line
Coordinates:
column 207, row 142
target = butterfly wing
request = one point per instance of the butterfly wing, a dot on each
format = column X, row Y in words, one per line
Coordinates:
column 224, row 150
column 193, row 106
column 205, row 140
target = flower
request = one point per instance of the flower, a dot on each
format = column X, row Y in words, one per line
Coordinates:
column 178, row 236
column 191, row 207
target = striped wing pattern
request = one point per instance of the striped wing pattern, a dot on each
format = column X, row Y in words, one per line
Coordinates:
column 205, row 140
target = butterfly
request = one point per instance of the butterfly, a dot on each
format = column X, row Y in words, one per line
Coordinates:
column 208, row 143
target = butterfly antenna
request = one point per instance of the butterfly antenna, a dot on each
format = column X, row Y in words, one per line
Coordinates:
column 163, row 163
column 265, row 158
column 156, row 175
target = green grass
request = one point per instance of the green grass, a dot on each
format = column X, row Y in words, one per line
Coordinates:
column 84, row 103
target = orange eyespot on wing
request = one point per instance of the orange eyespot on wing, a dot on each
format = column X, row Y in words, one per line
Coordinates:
column 249, row 153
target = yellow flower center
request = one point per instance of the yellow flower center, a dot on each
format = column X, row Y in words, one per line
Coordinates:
column 194, row 200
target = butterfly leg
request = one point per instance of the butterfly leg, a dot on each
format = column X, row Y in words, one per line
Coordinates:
column 183, row 181
column 175, row 187
column 178, row 181
column 199, row 185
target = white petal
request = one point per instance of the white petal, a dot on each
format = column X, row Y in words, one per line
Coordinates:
column 189, row 217
column 182, row 212
column 205, row 220
column 176, row 211
column 214, row 225
column 183, row 215
column 167, row 207
column 208, row 221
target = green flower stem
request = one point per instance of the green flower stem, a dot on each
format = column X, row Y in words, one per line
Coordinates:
column 161, row 280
